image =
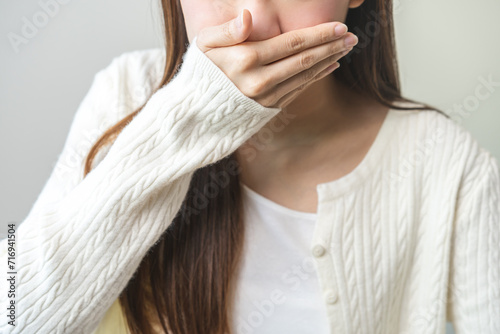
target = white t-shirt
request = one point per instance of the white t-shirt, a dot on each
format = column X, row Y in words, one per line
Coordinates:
column 278, row 289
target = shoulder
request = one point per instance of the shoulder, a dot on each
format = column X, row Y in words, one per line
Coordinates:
column 438, row 133
column 137, row 64
column 444, row 146
column 133, row 75
column 124, row 85
column 117, row 90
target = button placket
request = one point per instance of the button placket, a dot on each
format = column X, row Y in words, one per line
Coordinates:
column 324, row 251
column 318, row 250
column 331, row 296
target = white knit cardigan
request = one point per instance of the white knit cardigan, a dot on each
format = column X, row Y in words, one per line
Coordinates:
column 408, row 240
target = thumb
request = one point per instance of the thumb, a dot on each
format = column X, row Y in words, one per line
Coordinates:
column 229, row 33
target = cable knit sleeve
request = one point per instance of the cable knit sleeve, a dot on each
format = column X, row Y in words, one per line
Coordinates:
column 75, row 252
column 474, row 286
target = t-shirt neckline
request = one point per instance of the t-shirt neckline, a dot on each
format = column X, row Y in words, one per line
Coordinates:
column 332, row 189
column 278, row 207
column 366, row 167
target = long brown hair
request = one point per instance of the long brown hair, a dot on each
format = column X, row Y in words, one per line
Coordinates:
column 185, row 282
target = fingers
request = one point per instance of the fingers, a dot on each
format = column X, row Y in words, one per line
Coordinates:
column 276, row 69
column 285, row 100
column 229, row 33
column 295, row 41
column 284, row 69
column 289, row 89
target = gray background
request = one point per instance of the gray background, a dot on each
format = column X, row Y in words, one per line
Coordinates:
column 444, row 48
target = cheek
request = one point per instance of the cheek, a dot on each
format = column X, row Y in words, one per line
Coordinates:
column 311, row 13
column 292, row 14
column 201, row 14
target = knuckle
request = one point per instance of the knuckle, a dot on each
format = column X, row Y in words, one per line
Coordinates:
column 336, row 46
column 308, row 75
column 246, row 58
column 324, row 36
column 251, row 56
column 227, row 32
column 258, row 86
column 295, row 42
column 306, row 60
column 301, row 87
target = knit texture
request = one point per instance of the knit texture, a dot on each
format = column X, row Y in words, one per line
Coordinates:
column 406, row 241
column 77, row 251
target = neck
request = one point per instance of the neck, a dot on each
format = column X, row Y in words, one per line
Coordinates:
column 324, row 108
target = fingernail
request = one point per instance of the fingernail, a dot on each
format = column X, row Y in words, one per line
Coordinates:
column 239, row 21
column 340, row 29
column 350, row 40
column 332, row 67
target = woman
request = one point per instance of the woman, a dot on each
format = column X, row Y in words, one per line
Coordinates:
column 251, row 191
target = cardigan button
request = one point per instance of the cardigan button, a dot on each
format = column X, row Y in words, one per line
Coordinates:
column 331, row 297
column 318, row 250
